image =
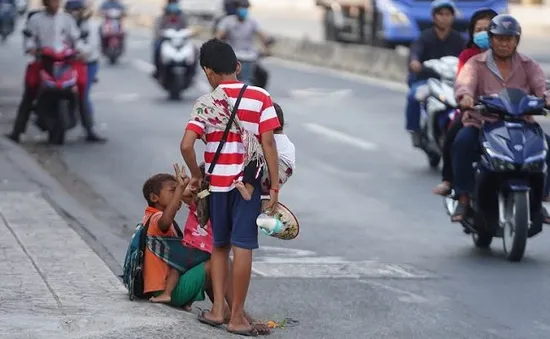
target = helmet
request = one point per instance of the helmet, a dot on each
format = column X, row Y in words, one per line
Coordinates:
column 504, row 24
column 440, row 4
column 74, row 5
column 242, row 3
column 480, row 14
column 172, row 8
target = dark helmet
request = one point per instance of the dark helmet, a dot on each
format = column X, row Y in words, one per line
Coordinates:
column 440, row 4
column 242, row 3
column 484, row 13
column 74, row 5
column 504, row 24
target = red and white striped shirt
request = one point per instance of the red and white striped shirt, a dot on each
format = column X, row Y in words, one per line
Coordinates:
column 256, row 114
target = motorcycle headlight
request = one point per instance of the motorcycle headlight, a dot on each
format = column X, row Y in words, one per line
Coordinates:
column 501, row 163
column 536, row 163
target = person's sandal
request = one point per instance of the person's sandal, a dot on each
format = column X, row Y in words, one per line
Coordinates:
column 442, row 188
column 545, row 216
column 459, row 213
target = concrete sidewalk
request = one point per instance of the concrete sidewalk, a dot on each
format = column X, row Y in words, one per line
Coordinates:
column 52, row 284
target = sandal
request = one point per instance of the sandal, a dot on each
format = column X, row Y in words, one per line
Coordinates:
column 545, row 216
column 261, row 328
column 459, row 213
column 251, row 332
column 203, row 319
column 443, row 188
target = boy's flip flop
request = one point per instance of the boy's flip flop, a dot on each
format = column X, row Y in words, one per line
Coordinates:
column 207, row 321
column 252, row 332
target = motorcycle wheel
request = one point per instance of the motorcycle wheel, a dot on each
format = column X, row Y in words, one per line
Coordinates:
column 113, row 59
column 434, row 159
column 56, row 135
column 482, row 239
column 516, row 226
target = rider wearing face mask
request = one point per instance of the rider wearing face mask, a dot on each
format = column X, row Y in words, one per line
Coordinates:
column 478, row 43
column 239, row 31
column 172, row 17
column 484, row 74
column 434, row 43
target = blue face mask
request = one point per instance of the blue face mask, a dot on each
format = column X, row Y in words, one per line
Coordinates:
column 481, row 39
column 242, row 13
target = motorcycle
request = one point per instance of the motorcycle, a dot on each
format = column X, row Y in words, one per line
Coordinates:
column 260, row 76
column 112, row 35
column 437, row 106
column 509, row 176
column 178, row 57
column 7, row 19
column 57, row 98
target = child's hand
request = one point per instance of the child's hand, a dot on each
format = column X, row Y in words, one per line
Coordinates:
column 183, row 179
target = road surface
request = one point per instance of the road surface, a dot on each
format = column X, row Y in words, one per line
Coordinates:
column 376, row 258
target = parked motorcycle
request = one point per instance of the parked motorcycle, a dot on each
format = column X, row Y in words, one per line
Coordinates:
column 8, row 15
column 112, row 35
column 438, row 106
column 510, row 174
column 178, row 58
column 56, row 103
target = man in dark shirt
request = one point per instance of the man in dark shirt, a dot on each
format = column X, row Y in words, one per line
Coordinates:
column 434, row 43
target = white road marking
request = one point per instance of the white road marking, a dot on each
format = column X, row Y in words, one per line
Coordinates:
column 341, row 137
column 143, row 66
column 405, row 296
column 323, row 93
column 314, row 269
column 364, row 79
column 288, row 251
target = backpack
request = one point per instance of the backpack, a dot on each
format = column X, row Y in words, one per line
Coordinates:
column 133, row 263
column 132, row 275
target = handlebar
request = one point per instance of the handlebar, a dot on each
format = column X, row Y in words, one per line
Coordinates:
column 480, row 108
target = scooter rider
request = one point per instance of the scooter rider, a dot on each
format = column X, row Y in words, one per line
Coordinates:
column 90, row 48
column 111, row 4
column 240, row 30
column 173, row 17
column 434, row 43
column 49, row 28
column 500, row 67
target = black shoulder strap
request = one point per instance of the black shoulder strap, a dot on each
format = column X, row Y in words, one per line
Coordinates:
column 178, row 230
column 226, row 132
column 143, row 235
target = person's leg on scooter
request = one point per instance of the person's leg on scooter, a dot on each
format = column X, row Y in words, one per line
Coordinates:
column 412, row 114
column 464, row 152
column 444, row 187
column 156, row 58
column 32, row 77
column 85, row 114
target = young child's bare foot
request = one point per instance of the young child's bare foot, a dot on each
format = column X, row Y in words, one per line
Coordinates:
column 241, row 187
column 163, row 298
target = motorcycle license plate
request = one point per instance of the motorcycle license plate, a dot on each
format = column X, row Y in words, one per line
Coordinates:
column 179, row 70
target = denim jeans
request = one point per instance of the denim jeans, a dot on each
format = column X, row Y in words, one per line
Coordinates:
column 412, row 111
column 247, row 71
column 93, row 68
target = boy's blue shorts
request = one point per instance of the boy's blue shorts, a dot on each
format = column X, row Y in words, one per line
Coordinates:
column 234, row 219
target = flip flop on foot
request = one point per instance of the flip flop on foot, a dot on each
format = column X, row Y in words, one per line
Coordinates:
column 460, row 213
column 444, row 188
column 203, row 319
column 251, row 332
column 261, row 328
column 545, row 216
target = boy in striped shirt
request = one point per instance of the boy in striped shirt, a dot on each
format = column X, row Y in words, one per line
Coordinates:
column 233, row 218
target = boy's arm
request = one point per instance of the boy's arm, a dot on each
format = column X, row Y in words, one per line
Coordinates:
column 169, row 213
column 193, row 131
column 268, row 123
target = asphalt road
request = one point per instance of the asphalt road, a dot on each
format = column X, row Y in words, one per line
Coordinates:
column 377, row 256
